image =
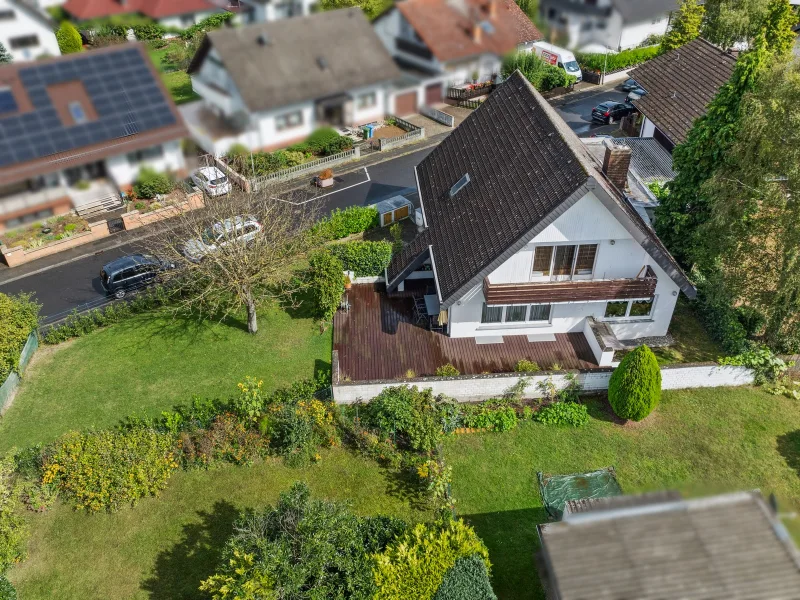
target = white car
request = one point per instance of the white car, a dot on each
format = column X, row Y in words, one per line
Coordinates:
column 238, row 229
column 211, row 180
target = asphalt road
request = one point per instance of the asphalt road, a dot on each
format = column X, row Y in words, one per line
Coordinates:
column 74, row 282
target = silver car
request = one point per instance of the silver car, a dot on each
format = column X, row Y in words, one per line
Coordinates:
column 237, row 229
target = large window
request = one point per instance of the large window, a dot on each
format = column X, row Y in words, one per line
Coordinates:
column 516, row 313
column 629, row 309
column 6, row 15
column 289, row 120
column 564, row 262
column 25, row 41
column 152, row 153
column 368, row 100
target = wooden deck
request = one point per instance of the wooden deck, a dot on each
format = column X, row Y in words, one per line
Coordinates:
column 376, row 339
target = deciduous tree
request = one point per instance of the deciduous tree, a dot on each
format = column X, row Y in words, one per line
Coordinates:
column 729, row 22
column 685, row 25
column 778, row 23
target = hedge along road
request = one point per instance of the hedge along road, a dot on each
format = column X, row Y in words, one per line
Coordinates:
column 62, row 287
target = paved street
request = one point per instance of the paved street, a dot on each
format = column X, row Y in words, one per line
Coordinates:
column 71, row 280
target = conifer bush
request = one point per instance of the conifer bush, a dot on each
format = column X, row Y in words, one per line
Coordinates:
column 635, row 386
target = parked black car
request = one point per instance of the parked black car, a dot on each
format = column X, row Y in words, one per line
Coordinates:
column 629, row 85
column 611, row 112
column 130, row 273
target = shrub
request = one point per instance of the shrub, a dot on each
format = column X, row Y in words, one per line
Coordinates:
column 614, row 62
column 326, row 280
column 635, row 386
column 210, row 23
column 13, row 533
column 326, row 174
column 766, row 365
column 447, row 370
column 526, row 366
column 482, row 416
column 148, row 31
column 543, row 76
column 150, row 183
column 302, row 548
column 343, row 223
column 105, row 470
column 7, row 590
column 563, row 413
column 720, row 318
column 467, row 580
column 324, row 141
column 227, row 439
column 69, row 40
column 416, row 564
column 752, row 319
column 19, row 316
column 408, row 413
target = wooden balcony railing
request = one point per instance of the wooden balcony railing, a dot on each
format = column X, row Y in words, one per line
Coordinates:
column 471, row 91
column 643, row 286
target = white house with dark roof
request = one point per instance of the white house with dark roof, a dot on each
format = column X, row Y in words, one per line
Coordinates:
column 270, row 85
column 26, row 31
column 613, row 24
column 524, row 233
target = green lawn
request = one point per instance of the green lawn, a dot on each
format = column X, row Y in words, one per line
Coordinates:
column 177, row 81
column 692, row 343
column 698, row 441
column 163, row 547
column 150, row 363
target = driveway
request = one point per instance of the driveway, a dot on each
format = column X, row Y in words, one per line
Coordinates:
column 576, row 109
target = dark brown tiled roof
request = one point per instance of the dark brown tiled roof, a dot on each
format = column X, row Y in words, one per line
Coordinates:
column 680, row 85
column 447, row 27
column 526, row 168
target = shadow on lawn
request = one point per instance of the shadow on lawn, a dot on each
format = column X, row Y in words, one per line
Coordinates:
column 513, row 542
column 179, row 570
column 789, row 447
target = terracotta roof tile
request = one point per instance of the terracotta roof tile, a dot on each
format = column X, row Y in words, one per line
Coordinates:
column 155, row 9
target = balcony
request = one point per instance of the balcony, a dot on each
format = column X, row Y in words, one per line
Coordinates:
column 470, row 91
column 414, row 49
column 213, row 94
column 592, row 290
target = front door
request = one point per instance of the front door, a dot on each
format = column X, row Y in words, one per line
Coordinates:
column 562, row 263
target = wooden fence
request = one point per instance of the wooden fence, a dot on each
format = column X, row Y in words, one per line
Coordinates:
column 297, row 171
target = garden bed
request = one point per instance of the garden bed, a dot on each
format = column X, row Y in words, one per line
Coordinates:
column 39, row 234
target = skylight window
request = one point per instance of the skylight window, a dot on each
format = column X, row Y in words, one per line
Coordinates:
column 7, row 101
column 459, row 185
column 77, row 112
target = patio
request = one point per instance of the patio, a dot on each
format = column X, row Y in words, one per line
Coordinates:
column 377, row 339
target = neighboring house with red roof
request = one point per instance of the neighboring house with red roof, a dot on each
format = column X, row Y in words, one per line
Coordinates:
column 443, row 43
column 26, row 31
column 170, row 13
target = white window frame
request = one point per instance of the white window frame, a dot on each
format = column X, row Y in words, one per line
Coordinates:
column 84, row 118
column 627, row 316
column 573, row 276
column 502, row 323
column 282, row 121
column 372, row 96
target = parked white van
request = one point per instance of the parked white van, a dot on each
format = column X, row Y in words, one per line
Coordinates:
column 559, row 57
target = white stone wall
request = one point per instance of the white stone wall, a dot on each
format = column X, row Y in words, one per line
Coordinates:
column 24, row 24
column 484, row 387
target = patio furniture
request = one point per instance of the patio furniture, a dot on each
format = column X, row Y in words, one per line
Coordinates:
column 420, row 312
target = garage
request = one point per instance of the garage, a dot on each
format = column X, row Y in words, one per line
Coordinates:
column 434, row 94
column 405, row 104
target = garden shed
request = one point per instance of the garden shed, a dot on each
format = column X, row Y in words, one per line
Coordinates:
column 394, row 209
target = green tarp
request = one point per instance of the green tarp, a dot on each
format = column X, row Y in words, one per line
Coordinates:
column 556, row 490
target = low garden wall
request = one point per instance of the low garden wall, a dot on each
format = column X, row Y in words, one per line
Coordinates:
column 17, row 256
column 306, row 168
column 611, row 77
column 135, row 219
column 413, row 133
column 469, row 388
column 437, row 115
column 10, row 385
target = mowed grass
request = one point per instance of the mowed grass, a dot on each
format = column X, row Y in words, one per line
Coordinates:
column 150, row 363
column 692, row 343
column 163, row 547
column 698, row 441
column 177, row 81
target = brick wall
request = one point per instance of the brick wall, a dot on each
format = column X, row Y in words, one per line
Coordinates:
column 483, row 387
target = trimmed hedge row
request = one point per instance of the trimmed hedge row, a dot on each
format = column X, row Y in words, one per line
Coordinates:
column 365, row 259
column 342, row 223
column 615, row 62
column 19, row 315
column 467, row 580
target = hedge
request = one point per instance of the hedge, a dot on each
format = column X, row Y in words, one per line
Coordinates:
column 635, row 386
column 543, row 76
column 467, row 580
column 323, row 142
column 366, row 259
column 343, row 223
column 69, row 40
column 19, row 315
column 615, row 62
column 325, row 278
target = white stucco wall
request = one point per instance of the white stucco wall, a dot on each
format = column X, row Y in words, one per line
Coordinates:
column 587, row 221
column 264, row 12
column 378, row 111
column 24, row 24
column 123, row 172
column 187, row 20
column 633, row 34
column 648, row 128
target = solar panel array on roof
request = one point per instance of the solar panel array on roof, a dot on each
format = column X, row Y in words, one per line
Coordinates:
column 122, row 89
column 7, row 102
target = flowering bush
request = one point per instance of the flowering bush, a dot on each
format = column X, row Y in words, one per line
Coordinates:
column 226, row 439
column 106, row 470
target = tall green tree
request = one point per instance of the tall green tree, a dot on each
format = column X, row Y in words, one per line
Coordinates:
column 685, row 25
column 730, row 21
column 686, row 208
column 754, row 229
column 778, row 23
column 5, row 55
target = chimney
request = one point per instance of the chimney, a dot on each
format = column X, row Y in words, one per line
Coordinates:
column 616, row 163
column 492, row 10
column 477, row 32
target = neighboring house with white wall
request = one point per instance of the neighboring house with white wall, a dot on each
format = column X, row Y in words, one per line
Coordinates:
column 76, row 130
column 680, row 85
column 269, row 85
column 264, row 11
column 525, row 234
column 442, row 43
column 26, row 31
column 614, row 24
column 169, row 13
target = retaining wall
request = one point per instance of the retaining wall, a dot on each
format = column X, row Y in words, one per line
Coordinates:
column 135, row 219
column 468, row 388
column 17, row 256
